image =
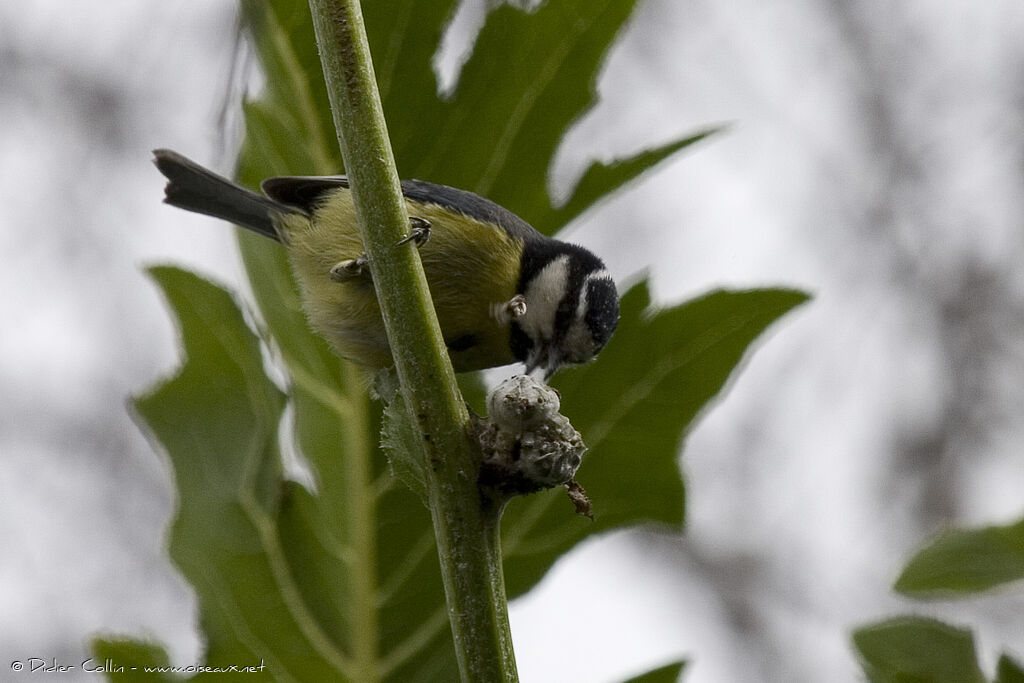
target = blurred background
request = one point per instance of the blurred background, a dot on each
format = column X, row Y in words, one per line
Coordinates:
column 875, row 158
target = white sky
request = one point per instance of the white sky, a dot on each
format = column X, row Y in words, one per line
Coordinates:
column 875, row 159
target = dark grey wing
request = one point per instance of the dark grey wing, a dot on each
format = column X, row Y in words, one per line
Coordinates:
column 302, row 192
column 306, row 192
column 469, row 204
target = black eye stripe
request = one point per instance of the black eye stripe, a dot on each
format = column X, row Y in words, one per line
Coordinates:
column 580, row 264
column 566, row 312
column 536, row 255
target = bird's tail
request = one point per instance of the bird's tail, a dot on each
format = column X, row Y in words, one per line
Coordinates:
column 194, row 188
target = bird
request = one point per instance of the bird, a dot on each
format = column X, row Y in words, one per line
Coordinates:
column 503, row 292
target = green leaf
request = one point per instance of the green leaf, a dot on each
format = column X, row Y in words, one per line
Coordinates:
column 285, row 576
column 557, row 52
column 908, row 649
column 400, row 440
column 633, row 406
column 600, row 180
column 342, row 579
column 530, row 76
column 1009, row 671
column 362, row 545
column 217, row 420
column 665, row 674
column 125, row 659
column 964, row 561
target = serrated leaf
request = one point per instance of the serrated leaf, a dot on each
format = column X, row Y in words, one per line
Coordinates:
column 964, row 561
column 126, row 659
column 529, row 77
column 601, row 179
column 362, row 544
column 217, row 420
column 633, row 406
column 514, row 130
column 1009, row 671
column 665, row 674
column 400, row 440
column 347, row 572
column 907, row 649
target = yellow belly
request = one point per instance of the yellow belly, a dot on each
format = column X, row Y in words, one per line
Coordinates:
column 471, row 268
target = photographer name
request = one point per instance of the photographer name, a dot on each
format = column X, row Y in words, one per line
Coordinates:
column 40, row 665
column 107, row 666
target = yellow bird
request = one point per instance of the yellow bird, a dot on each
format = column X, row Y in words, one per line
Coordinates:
column 502, row 291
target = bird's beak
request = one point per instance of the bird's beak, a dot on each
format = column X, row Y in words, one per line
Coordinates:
column 539, row 358
column 545, row 360
column 554, row 361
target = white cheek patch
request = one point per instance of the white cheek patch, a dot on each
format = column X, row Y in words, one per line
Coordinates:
column 578, row 345
column 543, row 295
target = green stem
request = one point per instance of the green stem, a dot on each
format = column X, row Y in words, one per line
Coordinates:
column 467, row 534
column 362, row 534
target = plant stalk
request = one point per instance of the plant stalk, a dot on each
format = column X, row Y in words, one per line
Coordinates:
column 467, row 533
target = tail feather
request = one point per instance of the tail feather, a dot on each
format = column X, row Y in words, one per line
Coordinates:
column 194, row 188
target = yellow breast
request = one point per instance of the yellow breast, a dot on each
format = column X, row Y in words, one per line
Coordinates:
column 472, row 268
